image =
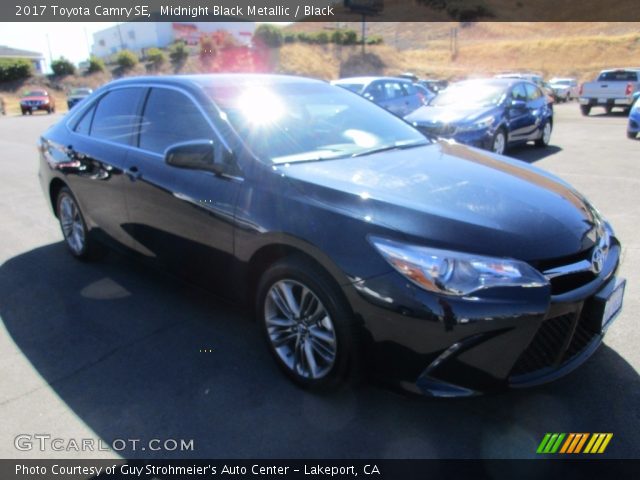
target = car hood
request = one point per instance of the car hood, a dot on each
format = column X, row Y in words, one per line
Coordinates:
column 447, row 195
column 448, row 115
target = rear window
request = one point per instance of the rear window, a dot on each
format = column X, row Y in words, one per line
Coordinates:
column 618, row 76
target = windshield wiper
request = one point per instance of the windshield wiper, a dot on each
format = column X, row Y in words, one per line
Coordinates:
column 386, row 148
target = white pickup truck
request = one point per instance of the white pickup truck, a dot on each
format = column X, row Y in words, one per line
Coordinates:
column 613, row 88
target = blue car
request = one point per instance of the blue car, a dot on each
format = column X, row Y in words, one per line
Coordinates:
column 493, row 114
column 633, row 128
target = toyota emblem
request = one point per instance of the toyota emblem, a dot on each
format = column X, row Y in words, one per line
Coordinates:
column 597, row 260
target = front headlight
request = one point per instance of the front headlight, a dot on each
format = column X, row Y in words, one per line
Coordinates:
column 479, row 125
column 455, row 273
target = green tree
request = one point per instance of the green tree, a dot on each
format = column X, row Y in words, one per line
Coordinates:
column 95, row 65
column 268, row 35
column 62, row 66
column 15, row 69
column 156, row 57
column 178, row 53
column 126, row 59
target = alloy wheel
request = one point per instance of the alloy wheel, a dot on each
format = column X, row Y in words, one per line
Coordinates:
column 72, row 224
column 499, row 143
column 300, row 329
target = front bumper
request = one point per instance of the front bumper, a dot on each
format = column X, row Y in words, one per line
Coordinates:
column 634, row 123
column 509, row 338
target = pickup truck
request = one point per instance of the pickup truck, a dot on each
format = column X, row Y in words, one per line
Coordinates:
column 613, row 88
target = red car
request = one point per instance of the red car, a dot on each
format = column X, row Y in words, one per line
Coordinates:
column 37, row 100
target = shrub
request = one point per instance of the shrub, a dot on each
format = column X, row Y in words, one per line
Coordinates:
column 95, row 65
column 62, row 67
column 268, row 35
column 178, row 53
column 350, row 37
column 156, row 57
column 290, row 37
column 337, row 37
column 322, row 38
column 15, row 69
column 126, row 59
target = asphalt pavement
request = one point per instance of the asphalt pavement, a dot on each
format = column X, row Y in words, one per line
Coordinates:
column 115, row 351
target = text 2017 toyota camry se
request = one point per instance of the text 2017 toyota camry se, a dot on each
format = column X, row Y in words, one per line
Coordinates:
column 359, row 241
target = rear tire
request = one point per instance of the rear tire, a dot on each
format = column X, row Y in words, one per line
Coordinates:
column 74, row 228
column 585, row 109
column 608, row 110
column 545, row 136
column 307, row 324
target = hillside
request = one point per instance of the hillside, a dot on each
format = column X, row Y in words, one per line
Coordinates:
column 563, row 49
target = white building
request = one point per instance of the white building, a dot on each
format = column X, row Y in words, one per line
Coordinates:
column 138, row 36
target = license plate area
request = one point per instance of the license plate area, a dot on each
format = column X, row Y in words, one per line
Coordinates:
column 600, row 310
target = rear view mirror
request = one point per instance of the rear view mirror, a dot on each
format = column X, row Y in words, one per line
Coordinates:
column 195, row 155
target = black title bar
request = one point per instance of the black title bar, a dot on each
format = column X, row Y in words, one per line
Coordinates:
column 317, row 10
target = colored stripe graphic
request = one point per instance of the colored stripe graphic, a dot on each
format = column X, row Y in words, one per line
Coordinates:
column 574, row 443
column 598, row 443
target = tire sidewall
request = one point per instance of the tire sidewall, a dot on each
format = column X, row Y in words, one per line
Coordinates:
column 65, row 192
column 328, row 293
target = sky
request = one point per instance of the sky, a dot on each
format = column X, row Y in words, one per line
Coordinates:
column 71, row 40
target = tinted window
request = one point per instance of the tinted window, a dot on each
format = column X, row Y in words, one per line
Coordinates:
column 84, row 125
column 519, row 93
column 618, row 76
column 171, row 117
column 393, row 90
column 533, row 93
column 116, row 115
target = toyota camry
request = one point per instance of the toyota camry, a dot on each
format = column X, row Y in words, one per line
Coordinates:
column 360, row 244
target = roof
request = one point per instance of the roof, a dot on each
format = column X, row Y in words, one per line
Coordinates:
column 9, row 52
column 221, row 78
column 370, row 79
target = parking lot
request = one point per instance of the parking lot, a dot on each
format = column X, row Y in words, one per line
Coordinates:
column 113, row 350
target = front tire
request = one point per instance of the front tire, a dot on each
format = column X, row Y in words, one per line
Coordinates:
column 307, row 324
column 499, row 142
column 585, row 109
column 74, row 228
column 631, row 135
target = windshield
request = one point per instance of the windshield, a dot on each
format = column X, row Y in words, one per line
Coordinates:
column 354, row 87
column 81, row 91
column 293, row 122
column 35, row 93
column 561, row 82
column 470, row 94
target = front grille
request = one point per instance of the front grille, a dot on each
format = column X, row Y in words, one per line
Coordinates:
column 439, row 130
column 546, row 349
column 571, row 280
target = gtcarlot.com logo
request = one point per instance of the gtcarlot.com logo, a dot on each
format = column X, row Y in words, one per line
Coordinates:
column 574, row 443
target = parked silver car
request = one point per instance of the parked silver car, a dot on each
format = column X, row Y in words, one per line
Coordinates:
column 398, row 95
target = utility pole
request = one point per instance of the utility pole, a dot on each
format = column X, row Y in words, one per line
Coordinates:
column 364, row 32
column 49, row 47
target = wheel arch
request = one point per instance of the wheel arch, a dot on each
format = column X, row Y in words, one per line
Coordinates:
column 54, row 189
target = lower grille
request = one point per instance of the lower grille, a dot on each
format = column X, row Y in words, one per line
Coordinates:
column 438, row 130
column 545, row 348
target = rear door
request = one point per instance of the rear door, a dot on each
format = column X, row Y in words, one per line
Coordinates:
column 100, row 143
column 182, row 218
column 536, row 103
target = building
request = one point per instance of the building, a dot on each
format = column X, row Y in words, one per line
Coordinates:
column 138, row 36
column 36, row 59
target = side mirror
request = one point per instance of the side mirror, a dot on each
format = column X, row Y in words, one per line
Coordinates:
column 195, row 155
column 518, row 104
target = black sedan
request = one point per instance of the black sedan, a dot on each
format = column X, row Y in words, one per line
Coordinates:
column 358, row 241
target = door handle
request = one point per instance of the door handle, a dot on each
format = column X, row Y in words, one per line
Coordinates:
column 134, row 174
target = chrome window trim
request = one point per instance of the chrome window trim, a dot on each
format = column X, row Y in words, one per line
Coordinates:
column 214, row 129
